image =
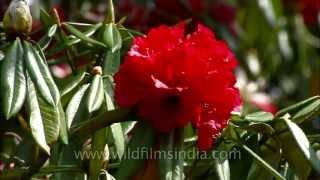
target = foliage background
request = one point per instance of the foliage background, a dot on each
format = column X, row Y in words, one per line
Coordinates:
column 277, row 51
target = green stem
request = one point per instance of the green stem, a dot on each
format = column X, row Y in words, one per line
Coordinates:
column 110, row 18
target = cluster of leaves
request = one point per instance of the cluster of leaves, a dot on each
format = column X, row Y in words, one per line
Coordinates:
column 53, row 120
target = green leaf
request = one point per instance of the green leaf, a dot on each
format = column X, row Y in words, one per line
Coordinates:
column 111, row 62
column 13, row 81
column 263, row 163
column 291, row 150
column 75, row 111
column 268, row 11
column 143, row 138
column 71, row 83
column 303, row 143
column 73, row 40
column 116, row 128
column 307, row 112
column 171, row 167
column 46, row 19
column 292, row 110
column 40, row 74
column 259, row 117
column 95, row 95
column 112, row 37
column 82, row 36
column 45, row 41
column 222, row 169
column 44, row 120
column 63, row 134
column 52, row 30
column 118, row 137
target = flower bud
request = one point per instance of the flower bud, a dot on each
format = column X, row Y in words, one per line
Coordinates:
column 17, row 19
column 97, row 70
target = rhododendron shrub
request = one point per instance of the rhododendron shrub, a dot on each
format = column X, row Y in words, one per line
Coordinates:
column 86, row 95
column 175, row 78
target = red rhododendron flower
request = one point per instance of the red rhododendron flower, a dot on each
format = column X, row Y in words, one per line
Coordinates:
column 310, row 10
column 173, row 79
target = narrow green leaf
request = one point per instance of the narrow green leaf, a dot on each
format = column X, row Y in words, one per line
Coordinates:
column 46, row 19
column 111, row 62
column 74, row 110
column 259, row 117
column 40, row 74
column 222, row 169
column 48, row 114
column 1, row 56
column 143, row 138
column 116, row 128
column 292, row 153
column 85, row 102
column 73, row 40
column 52, row 30
column 36, row 121
column 307, row 112
column 267, row 167
column 63, row 134
column 112, row 37
column 268, row 10
column 95, row 96
column 80, row 24
column 71, row 83
column 118, row 137
column 82, row 36
column 13, row 81
column 303, row 143
column 292, row 110
column 45, row 41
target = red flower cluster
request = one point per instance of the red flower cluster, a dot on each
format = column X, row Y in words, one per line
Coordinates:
column 310, row 10
column 173, row 79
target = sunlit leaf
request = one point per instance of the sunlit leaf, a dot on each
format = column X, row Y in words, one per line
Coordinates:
column 82, row 36
column 222, row 169
column 112, row 37
column 40, row 75
column 259, row 117
column 13, row 81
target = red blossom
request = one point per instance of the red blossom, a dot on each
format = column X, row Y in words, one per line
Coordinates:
column 310, row 10
column 173, row 79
